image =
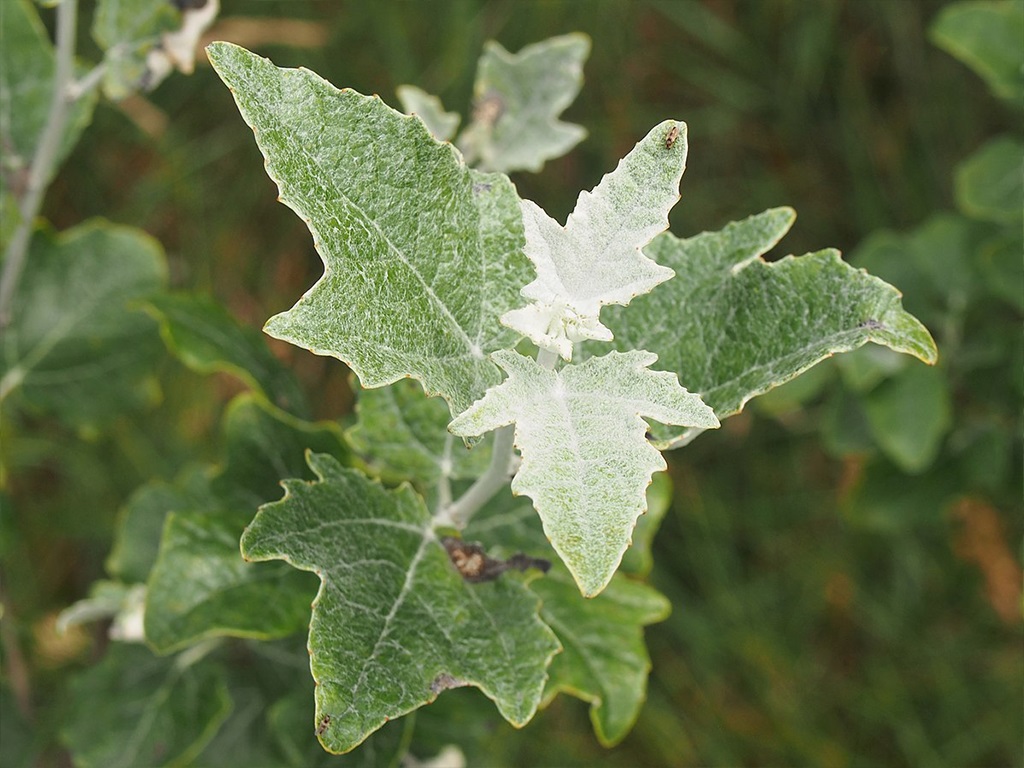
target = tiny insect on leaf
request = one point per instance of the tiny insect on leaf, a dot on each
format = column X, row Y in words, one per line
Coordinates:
column 325, row 723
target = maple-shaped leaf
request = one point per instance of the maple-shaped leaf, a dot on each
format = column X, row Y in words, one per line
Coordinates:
column 736, row 326
column 394, row 622
column 605, row 661
column 586, row 460
column 517, row 100
column 421, row 254
column 595, row 259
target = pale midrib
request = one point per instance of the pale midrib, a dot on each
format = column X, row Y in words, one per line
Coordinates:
column 410, row 577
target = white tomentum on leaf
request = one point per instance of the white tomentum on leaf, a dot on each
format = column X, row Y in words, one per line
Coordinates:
column 586, row 459
column 596, row 258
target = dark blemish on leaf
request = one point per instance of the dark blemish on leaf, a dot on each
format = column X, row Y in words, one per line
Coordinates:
column 874, row 325
column 480, row 186
column 522, row 562
column 475, row 566
column 443, row 682
column 671, row 136
column 489, row 108
column 325, row 723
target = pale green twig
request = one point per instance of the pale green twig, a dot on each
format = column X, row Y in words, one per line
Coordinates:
column 45, row 156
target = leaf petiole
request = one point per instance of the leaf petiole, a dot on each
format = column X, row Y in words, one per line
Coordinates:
column 497, row 476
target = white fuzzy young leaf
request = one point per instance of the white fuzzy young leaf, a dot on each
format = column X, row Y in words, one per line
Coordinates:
column 596, row 258
column 586, row 459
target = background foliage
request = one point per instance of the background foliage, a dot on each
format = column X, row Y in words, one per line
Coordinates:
column 843, row 560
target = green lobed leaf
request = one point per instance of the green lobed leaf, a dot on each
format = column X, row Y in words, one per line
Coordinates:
column 27, row 66
column 518, row 98
column 429, row 109
column 586, row 460
column 985, row 35
column 604, row 659
column 403, row 435
column 200, row 586
column 394, row 623
column 206, row 338
column 422, row 255
column 990, row 183
column 133, row 709
column 734, row 326
column 596, row 258
column 74, row 346
column 127, row 30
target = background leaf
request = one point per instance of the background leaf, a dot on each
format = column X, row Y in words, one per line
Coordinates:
column 985, row 35
column 909, row 415
column 518, row 98
column 205, row 336
column 415, row 273
column 403, row 435
column 394, row 623
column 200, row 586
column 127, row 30
column 990, row 183
column 144, row 710
column 75, row 347
column 429, row 109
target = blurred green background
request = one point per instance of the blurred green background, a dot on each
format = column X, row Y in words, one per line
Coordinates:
column 838, row 600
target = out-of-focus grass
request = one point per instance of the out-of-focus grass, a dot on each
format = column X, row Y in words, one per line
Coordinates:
column 809, row 627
